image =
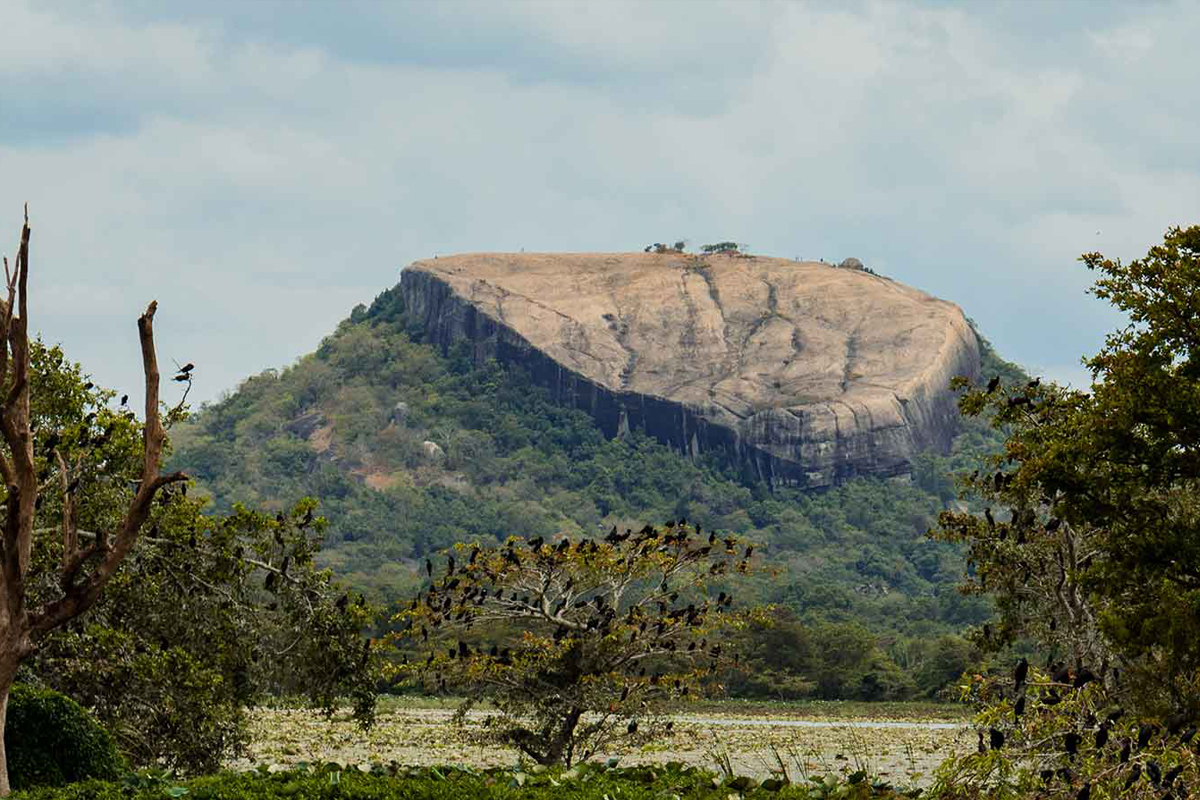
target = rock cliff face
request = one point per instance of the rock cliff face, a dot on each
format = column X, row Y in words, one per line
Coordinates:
column 806, row 374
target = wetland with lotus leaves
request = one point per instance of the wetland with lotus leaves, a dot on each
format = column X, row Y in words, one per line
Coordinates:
column 899, row 742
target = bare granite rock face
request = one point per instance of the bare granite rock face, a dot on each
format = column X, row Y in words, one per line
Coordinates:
column 804, row 373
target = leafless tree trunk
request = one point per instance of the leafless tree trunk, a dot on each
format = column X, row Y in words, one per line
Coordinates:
column 86, row 568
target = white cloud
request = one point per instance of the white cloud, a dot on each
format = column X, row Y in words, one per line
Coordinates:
column 260, row 168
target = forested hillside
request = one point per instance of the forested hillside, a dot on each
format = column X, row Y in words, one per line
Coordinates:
column 349, row 424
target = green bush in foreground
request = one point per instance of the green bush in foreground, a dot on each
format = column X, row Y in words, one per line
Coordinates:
column 51, row 740
column 581, row 783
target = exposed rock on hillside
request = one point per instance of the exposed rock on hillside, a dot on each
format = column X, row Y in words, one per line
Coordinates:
column 805, row 373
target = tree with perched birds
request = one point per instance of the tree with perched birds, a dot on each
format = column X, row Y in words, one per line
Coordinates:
column 578, row 644
column 1090, row 548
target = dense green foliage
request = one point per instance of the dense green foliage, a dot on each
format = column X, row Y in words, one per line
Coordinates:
column 330, row 782
column 1092, row 548
column 514, row 463
column 206, row 616
column 52, row 741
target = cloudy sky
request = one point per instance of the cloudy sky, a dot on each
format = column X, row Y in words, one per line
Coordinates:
column 261, row 167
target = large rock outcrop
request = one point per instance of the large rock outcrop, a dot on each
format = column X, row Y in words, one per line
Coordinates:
column 805, row 373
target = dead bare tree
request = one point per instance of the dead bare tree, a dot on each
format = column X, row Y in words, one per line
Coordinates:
column 86, row 567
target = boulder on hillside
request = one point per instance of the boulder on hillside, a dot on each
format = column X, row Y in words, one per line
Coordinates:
column 305, row 424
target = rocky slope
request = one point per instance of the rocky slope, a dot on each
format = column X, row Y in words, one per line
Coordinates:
column 805, row 373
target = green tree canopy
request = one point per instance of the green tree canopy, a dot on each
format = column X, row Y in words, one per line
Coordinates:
column 616, row 629
column 1091, row 541
column 207, row 614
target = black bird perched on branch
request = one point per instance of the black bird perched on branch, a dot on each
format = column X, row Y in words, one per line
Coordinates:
column 1144, row 735
column 1084, row 677
column 1175, row 723
column 632, row 728
column 993, row 384
column 996, row 737
column 1021, row 672
column 124, row 399
column 534, row 544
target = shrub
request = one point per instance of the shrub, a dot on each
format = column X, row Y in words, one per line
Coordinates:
column 592, row 782
column 51, row 740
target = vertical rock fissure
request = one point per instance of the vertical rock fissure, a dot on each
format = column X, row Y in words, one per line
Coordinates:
column 851, row 354
column 729, row 360
column 622, row 335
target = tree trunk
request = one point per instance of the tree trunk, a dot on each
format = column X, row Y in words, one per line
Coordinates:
column 563, row 750
column 6, row 682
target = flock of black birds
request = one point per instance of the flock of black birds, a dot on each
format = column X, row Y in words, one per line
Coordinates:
column 1064, row 679
column 1016, row 400
column 88, row 440
column 464, row 591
